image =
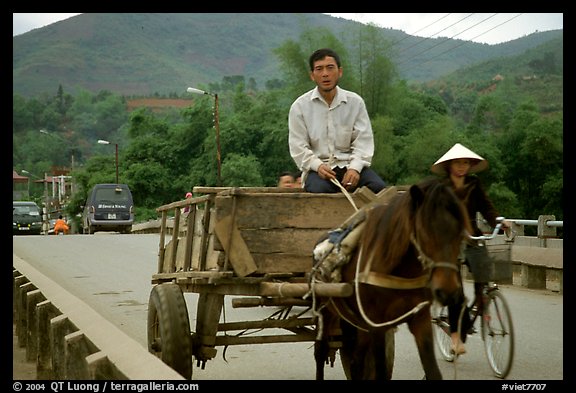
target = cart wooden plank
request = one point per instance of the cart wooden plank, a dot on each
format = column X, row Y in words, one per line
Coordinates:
column 238, row 253
column 280, row 240
column 285, row 210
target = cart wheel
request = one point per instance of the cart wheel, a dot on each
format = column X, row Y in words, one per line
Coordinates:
column 169, row 336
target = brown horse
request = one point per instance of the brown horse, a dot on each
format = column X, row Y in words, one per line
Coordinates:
column 407, row 257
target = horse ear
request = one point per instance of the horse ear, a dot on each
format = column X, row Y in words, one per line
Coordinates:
column 417, row 196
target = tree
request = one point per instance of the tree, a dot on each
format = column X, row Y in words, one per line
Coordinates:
column 375, row 71
column 241, row 171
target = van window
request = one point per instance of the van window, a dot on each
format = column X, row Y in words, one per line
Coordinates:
column 116, row 196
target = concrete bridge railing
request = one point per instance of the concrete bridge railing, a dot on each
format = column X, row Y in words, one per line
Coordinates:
column 68, row 340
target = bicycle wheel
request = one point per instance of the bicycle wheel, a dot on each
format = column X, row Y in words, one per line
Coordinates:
column 498, row 334
column 441, row 329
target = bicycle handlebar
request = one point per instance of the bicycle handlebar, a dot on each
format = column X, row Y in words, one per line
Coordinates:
column 499, row 221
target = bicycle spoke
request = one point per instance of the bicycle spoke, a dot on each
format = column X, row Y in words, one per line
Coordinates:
column 441, row 330
column 497, row 332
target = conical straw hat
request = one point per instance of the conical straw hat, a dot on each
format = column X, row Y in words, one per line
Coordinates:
column 459, row 151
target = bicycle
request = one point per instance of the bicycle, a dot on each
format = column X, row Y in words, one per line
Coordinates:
column 495, row 317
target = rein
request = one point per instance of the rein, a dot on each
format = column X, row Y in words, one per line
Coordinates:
column 395, row 282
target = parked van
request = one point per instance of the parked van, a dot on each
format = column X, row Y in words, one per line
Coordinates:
column 26, row 218
column 109, row 207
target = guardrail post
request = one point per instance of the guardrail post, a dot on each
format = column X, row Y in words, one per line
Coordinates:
column 78, row 347
column 46, row 311
column 544, row 231
column 22, row 326
column 60, row 326
column 32, row 299
column 17, row 280
column 101, row 368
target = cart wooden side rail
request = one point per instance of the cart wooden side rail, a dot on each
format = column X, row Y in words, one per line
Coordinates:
column 255, row 243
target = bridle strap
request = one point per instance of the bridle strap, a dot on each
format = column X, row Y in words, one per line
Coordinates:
column 395, row 282
column 392, row 282
column 365, row 317
column 427, row 262
column 367, row 276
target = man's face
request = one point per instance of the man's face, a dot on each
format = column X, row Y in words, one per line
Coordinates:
column 286, row 181
column 326, row 74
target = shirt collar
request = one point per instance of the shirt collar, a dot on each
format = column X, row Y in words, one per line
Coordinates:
column 340, row 95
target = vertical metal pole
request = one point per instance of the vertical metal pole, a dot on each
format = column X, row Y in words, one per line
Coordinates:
column 72, row 186
column 116, row 163
column 46, row 224
column 217, row 127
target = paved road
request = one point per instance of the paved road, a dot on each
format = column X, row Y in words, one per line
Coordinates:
column 112, row 272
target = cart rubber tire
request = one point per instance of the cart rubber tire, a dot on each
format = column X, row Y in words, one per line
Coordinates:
column 169, row 336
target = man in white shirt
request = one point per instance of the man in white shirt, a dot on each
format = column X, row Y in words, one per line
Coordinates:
column 330, row 135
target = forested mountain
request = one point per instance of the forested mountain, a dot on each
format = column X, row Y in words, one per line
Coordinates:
column 536, row 76
column 163, row 53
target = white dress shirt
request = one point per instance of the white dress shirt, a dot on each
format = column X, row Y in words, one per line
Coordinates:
column 338, row 135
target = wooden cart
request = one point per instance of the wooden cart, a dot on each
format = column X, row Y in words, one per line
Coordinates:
column 254, row 243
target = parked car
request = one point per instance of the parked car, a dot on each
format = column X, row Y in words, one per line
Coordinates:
column 109, row 207
column 26, row 218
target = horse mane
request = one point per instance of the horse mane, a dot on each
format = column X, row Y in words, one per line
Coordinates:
column 388, row 227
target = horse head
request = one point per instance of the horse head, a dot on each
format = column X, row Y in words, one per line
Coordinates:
column 414, row 241
column 440, row 222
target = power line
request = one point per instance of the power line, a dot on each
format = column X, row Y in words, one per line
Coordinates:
column 448, row 38
column 423, row 39
column 409, row 35
column 460, row 44
column 489, row 30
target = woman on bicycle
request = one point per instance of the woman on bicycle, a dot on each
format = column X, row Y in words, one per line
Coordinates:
column 459, row 165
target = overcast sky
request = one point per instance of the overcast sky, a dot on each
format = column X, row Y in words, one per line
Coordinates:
column 490, row 28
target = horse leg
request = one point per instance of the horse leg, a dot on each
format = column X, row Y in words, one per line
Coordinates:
column 421, row 329
column 357, row 354
column 325, row 348
column 383, row 347
column 349, row 334
column 320, row 355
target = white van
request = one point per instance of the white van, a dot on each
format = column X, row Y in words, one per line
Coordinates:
column 109, row 207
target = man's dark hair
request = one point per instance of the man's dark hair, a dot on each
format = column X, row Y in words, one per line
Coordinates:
column 286, row 173
column 322, row 53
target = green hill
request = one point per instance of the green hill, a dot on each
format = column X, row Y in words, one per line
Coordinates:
column 163, row 53
column 536, row 75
